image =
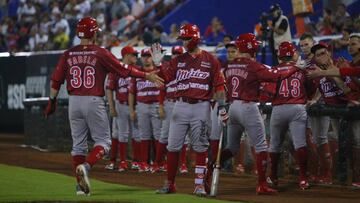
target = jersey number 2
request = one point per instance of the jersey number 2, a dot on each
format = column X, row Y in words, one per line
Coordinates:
column 78, row 79
column 295, row 88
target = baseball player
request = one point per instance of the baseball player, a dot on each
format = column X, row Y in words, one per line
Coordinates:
column 198, row 77
column 350, row 70
column 146, row 95
column 332, row 92
column 243, row 78
column 289, row 113
column 120, row 112
column 167, row 102
column 84, row 67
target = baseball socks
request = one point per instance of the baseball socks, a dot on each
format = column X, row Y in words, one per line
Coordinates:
column 82, row 170
column 145, row 147
column 172, row 166
column 301, row 155
column 274, row 163
column 114, row 149
column 214, row 147
column 200, row 173
column 261, row 164
column 122, row 154
column 77, row 160
column 183, row 167
column 159, row 158
column 326, row 164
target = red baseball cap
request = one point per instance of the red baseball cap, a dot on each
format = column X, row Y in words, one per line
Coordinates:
column 320, row 45
column 177, row 50
column 128, row 50
column 146, row 52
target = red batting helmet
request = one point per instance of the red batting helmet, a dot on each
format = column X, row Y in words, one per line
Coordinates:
column 87, row 27
column 286, row 49
column 247, row 43
column 192, row 32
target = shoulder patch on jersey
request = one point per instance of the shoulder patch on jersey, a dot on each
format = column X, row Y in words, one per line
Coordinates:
column 181, row 65
column 205, row 64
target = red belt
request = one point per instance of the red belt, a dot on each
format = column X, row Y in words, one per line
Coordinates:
column 190, row 100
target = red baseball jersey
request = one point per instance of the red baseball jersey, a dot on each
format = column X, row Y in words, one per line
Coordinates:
column 350, row 82
column 121, row 85
column 145, row 91
column 243, row 78
column 85, row 67
column 196, row 77
column 331, row 93
column 291, row 90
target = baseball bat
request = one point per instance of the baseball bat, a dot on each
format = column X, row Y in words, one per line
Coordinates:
column 216, row 172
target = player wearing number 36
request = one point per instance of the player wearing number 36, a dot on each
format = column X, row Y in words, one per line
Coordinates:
column 84, row 67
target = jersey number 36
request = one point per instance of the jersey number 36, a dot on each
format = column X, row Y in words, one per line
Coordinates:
column 79, row 78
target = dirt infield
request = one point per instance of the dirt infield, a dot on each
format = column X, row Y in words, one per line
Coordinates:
column 232, row 187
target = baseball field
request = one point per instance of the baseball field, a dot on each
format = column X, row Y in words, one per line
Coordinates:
column 29, row 175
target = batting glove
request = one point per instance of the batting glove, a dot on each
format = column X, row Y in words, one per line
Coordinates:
column 223, row 115
column 157, row 54
column 51, row 107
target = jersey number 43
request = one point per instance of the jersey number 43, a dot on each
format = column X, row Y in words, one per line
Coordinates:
column 294, row 86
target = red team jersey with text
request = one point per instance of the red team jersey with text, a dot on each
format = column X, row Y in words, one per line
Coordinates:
column 144, row 90
column 196, row 77
column 121, row 85
column 244, row 76
column 349, row 81
column 84, row 67
column 291, row 90
column 331, row 93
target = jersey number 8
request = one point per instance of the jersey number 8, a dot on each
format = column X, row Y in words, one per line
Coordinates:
column 78, row 79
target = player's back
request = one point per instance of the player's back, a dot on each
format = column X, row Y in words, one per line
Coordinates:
column 85, row 72
column 290, row 90
column 241, row 79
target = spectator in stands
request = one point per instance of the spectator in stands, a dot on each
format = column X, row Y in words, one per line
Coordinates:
column 23, row 38
column 220, row 50
column 357, row 25
column 339, row 17
column 60, row 23
column 137, row 7
column 174, row 33
column 45, row 24
column 341, row 45
column 3, row 9
column 70, row 14
column 61, row 40
column 324, row 25
column 126, row 24
column 38, row 40
column 215, row 32
column 26, row 12
column 13, row 6
column 83, row 8
column 3, row 45
column 99, row 6
column 119, row 8
column 159, row 35
column 280, row 30
column 55, row 7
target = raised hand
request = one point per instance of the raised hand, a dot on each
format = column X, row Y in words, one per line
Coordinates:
column 157, row 54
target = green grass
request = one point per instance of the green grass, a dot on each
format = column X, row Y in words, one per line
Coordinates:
column 21, row 184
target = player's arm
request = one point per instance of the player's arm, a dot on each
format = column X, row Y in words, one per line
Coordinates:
column 271, row 75
column 57, row 78
column 341, row 84
column 161, row 102
column 124, row 70
column 110, row 87
column 219, row 90
column 315, row 99
column 131, row 99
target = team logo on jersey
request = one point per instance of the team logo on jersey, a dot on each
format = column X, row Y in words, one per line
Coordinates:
column 181, row 65
column 123, row 82
column 187, row 74
column 144, row 84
